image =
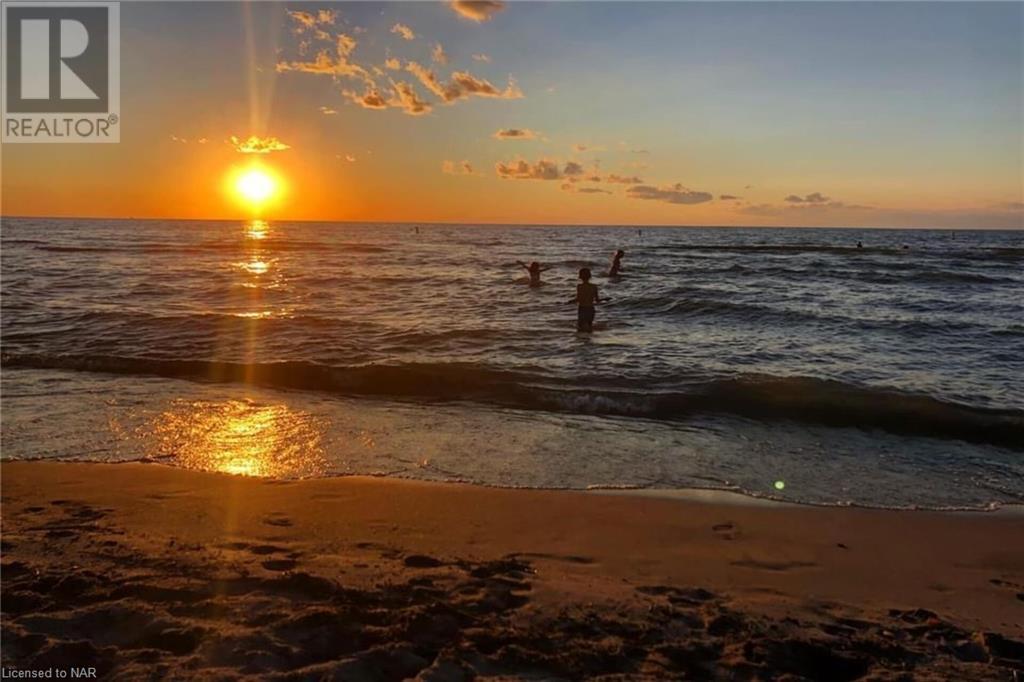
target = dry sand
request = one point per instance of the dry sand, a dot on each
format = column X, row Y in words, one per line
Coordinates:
column 144, row 571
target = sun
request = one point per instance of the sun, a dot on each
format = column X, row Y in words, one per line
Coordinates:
column 255, row 186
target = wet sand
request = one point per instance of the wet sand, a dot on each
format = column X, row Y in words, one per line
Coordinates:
column 143, row 570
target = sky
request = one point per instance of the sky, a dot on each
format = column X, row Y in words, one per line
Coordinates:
column 668, row 113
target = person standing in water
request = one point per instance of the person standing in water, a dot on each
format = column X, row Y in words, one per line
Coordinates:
column 534, row 269
column 616, row 264
column 586, row 298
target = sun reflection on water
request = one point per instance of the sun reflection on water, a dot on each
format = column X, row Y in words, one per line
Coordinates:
column 255, row 266
column 257, row 229
column 242, row 437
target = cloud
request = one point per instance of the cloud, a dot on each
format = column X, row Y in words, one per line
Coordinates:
column 324, row 64
column 350, row 158
column 573, row 169
column 480, row 57
column 345, row 45
column 303, row 20
column 579, row 148
column 571, row 186
column 370, row 99
column 673, row 194
column 592, row 190
column 428, row 79
column 438, row 54
column 327, row 111
column 515, row 134
column 404, row 31
column 461, row 86
column 306, row 20
column 728, row 197
column 624, row 180
column 544, row 169
column 471, row 85
column 477, row 10
column 817, row 205
column 333, row 55
column 461, row 168
column 1011, row 205
column 812, row 198
column 406, row 99
column 258, row 145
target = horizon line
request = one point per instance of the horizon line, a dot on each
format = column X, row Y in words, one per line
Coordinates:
column 501, row 224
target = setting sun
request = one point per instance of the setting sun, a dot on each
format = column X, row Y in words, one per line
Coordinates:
column 255, row 186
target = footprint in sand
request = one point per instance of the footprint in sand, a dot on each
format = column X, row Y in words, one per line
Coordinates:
column 279, row 564
column 277, row 520
column 678, row 596
column 1006, row 584
column 726, row 530
column 763, row 565
column 566, row 558
column 422, row 561
column 263, row 550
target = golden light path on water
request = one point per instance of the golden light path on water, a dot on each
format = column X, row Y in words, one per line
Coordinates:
column 256, row 229
column 242, row 437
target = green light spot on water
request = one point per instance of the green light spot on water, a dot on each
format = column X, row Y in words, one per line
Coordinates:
column 779, row 485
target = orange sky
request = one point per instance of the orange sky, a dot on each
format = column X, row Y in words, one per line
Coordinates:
column 606, row 113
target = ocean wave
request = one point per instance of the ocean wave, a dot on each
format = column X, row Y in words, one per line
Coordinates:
column 265, row 245
column 680, row 305
column 778, row 248
column 1009, row 253
column 800, row 399
column 933, row 277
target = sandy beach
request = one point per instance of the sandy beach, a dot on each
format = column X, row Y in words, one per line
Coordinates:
column 144, row 570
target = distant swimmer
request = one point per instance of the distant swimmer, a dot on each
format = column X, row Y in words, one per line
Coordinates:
column 586, row 298
column 859, row 245
column 616, row 263
column 534, row 269
column 416, row 229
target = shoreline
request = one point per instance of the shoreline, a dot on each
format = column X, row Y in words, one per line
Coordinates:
column 467, row 579
column 707, row 495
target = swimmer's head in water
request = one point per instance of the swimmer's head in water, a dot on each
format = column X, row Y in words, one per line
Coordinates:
column 620, row 253
column 534, row 266
column 585, row 274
